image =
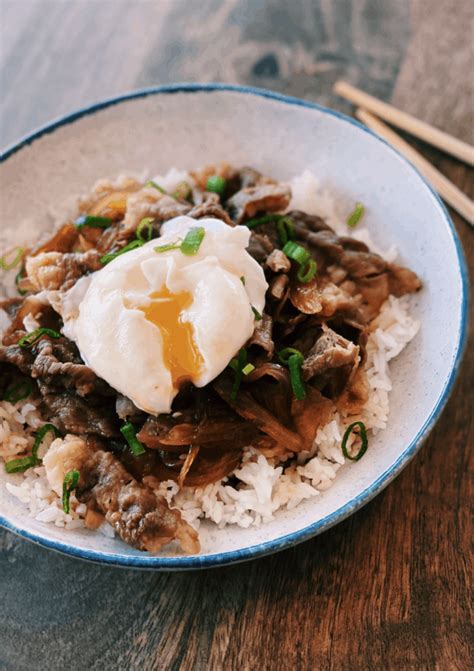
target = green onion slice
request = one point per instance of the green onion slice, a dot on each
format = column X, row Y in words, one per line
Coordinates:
column 23, row 463
column 216, row 184
column 192, row 241
column 265, row 219
column 154, row 185
column 129, row 433
column 362, row 433
column 296, row 252
column 183, row 191
column 16, row 253
column 307, row 272
column 69, row 483
column 19, row 391
column 286, row 230
column 113, row 255
column 239, row 364
column 166, row 248
column 242, row 279
column 30, row 338
column 93, row 222
column 355, row 216
column 248, row 368
column 257, row 315
column 19, row 276
column 293, row 358
column 146, row 223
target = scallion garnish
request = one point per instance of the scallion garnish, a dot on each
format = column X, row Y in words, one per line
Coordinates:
column 265, row 219
column 23, row 463
column 154, row 185
column 307, row 272
column 355, row 216
column 19, row 391
column 238, row 365
column 69, row 483
column 166, row 248
column 286, row 230
column 307, row 265
column 31, row 338
column 293, row 358
column 19, row 276
column 17, row 254
column 113, row 255
column 192, row 241
column 296, row 252
column 145, row 224
column 248, row 368
column 182, row 192
column 257, row 315
column 216, row 184
column 363, row 437
column 129, row 433
column 92, row 221
column 242, row 279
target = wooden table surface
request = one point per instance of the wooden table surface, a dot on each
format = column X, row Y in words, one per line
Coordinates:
column 387, row 588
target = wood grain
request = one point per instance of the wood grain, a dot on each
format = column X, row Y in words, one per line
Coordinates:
column 389, row 587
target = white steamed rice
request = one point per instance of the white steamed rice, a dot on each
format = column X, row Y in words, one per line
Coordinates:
column 262, row 487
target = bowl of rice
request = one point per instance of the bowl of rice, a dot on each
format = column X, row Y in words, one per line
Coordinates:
column 328, row 163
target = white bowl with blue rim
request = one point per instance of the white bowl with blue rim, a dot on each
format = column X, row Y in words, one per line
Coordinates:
column 190, row 125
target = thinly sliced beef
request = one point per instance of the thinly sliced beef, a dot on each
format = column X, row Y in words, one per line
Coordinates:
column 260, row 247
column 248, row 202
column 329, row 351
column 151, row 203
column 210, row 207
column 74, row 414
column 277, row 261
column 53, row 270
column 262, row 336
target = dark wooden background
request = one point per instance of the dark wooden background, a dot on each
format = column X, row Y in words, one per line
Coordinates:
column 387, row 588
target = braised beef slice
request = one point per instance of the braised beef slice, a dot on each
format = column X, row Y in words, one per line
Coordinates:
column 262, row 335
column 141, row 519
column 53, row 270
column 210, row 207
column 248, row 202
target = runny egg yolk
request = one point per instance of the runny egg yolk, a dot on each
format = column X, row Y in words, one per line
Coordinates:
column 180, row 352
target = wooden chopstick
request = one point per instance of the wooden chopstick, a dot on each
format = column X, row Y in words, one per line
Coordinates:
column 446, row 189
column 407, row 122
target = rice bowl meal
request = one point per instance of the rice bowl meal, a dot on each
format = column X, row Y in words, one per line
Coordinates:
column 207, row 345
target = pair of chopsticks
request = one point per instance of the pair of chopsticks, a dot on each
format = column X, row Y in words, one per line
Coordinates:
column 369, row 108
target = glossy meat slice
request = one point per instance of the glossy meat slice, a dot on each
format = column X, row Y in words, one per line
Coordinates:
column 247, row 202
column 329, row 351
column 138, row 515
column 53, row 270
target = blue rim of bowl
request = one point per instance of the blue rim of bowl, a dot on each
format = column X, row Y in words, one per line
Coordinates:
column 269, row 547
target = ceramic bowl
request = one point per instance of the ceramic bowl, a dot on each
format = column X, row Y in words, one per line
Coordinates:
column 191, row 125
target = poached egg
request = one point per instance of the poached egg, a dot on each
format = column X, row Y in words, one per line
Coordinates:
column 150, row 320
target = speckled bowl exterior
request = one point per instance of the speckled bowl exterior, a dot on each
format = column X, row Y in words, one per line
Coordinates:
column 189, row 125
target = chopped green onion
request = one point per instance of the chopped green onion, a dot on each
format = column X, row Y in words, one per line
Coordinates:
column 265, row 219
column 183, row 191
column 192, row 241
column 293, row 358
column 286, row 230
column 284, row 355
column 113, row 255
column 248, row 368
column 69, row 483
column 23, row 463
column 364, row 440
column 258, row 316
column 128, row 432
column 216, row 184
column 20, row 465
column 296, row 252
column 308, row 271
column 8, row 265
column 145, row 223
column 242, row 279
column 166, row 248
column 154, row 185
column 19, row 391
column 46, row 428
column 31, row 338
column 239, row 364
column 19, row 276
column 93, row 222
column 354, row 218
